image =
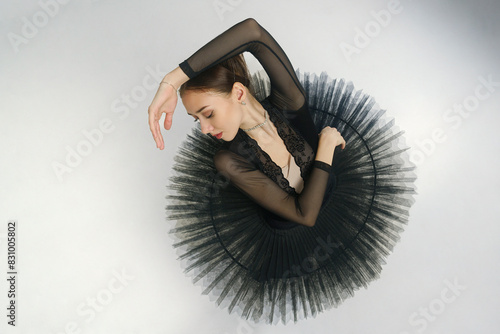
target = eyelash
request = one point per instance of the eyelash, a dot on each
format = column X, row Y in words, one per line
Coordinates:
column 209, row 116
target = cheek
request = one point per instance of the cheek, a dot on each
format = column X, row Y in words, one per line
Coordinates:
column 234, row 118
column 228, row 120
column 229, row 124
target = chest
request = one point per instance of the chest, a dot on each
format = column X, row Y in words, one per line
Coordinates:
column 276, row 149
column 278, row 153
column 287, row 159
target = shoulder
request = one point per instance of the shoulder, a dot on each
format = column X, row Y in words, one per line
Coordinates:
column 224, row 160
column 230, row 162
column 221, row 158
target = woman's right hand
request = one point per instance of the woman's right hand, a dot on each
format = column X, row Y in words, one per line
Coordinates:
column 164, row 101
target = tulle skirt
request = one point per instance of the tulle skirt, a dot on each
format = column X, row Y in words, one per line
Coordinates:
column 271, row 274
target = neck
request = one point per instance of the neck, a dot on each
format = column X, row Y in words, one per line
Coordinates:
column 254, row 114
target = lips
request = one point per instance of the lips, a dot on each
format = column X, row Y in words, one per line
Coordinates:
column 219, row 135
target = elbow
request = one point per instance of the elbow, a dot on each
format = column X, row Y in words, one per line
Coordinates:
column 310, row 222
column 251, row 20
column 306, row 222
column 251, row 25
column 307, row 216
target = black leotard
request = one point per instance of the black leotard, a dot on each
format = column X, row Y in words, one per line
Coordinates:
column 249, row 168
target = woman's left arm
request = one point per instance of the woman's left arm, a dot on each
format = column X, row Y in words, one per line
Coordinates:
column 248, row 35
column 165, row 101
column 286, row 91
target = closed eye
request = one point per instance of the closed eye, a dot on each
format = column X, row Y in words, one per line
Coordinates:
column 209, row 116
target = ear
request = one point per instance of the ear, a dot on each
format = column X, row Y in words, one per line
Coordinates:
column 239, row 92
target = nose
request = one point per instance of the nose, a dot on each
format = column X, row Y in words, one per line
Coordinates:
column 206, row 127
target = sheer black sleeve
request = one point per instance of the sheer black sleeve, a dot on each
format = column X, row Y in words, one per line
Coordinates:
column 286, row 94
column 303, row 208
column 248, row 35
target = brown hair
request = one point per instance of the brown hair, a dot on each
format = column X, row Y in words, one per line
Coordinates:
column 221, row 77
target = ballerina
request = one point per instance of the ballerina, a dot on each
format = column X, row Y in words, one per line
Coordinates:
column 277, row 214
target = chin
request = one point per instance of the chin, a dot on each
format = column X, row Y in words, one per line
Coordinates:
column 230, row 137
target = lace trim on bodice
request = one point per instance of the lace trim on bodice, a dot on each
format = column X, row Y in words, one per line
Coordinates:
column 298, row 147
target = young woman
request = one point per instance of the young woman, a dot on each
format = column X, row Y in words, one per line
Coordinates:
column 277, row 215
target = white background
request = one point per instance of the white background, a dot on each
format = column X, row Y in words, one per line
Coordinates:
column 67, row 68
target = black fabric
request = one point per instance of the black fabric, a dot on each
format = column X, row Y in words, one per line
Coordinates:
column 252, row 257
column 286, row 93
column 248, row 167
column 320, row 164
column 268, row 269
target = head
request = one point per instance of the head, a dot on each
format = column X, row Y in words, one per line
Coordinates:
column 214, row 97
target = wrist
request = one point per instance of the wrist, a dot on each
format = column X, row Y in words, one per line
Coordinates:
column 176, row 78
column 322, row 165
column 324, row 154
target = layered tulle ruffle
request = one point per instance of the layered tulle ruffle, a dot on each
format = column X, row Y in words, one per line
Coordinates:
column 267, row 274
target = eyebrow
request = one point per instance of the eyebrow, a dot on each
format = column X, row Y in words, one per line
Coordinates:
column 199, row 110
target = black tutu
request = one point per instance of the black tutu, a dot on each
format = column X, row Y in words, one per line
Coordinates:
column 266, row 273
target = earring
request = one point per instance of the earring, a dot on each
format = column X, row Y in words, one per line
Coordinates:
column 243, row 103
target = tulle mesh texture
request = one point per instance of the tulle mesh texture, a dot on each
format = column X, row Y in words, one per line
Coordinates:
column 271, row 275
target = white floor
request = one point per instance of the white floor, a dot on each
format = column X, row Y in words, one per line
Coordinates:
column 93, row 254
